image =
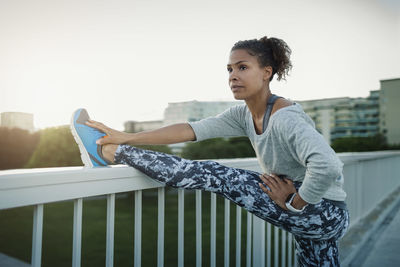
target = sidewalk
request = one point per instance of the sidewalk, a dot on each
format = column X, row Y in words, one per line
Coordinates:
column 7, row 261
column 386, row 246
column 375, row 242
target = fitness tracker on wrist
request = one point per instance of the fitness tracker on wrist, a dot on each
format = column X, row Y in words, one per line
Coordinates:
column 289, row 201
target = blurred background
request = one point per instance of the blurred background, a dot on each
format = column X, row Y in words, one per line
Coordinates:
column 137, row 65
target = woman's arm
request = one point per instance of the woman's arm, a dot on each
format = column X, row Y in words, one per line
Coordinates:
column 227, row 124
column 176, row 133
column 308, row 147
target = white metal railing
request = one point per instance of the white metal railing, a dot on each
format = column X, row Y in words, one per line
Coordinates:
column 369, row 178
column 40, row 186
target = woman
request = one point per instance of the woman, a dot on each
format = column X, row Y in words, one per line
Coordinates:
column 301, row 190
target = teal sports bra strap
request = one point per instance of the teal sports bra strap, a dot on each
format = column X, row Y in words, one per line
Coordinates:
column 270, row 104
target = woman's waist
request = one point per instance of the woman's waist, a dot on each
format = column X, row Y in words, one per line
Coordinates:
column 335, row 193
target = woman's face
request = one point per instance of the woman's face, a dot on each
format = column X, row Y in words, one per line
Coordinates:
column 246, row 78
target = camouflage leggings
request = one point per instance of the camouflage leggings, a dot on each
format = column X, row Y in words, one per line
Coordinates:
column 316, row 229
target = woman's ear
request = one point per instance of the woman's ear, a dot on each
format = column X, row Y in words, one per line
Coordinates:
column 267, row 73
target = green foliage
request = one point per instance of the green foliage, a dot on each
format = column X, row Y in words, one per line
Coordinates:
column 56, row 148
column 51, row 147
column 217, row 148
column 17, row 146
column 359, row 144
column 160, row 148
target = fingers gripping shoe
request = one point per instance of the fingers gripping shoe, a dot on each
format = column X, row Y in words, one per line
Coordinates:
column 86, row 137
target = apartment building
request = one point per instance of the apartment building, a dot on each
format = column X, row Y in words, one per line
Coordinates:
column 389, row 104
column 139, row 126
column 342, row 117
column 17, row 120
column 359, row 117
column 195, row 110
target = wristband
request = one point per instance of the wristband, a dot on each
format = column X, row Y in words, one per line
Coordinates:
column 289, row 204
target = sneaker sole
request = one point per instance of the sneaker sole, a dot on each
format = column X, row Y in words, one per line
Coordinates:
column 84, row 154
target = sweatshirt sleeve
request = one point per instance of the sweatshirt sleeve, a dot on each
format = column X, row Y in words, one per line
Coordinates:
column 227, row 124
column 307, row 146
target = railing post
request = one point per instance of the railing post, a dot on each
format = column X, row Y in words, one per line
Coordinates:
column 110, row 230
column 138, row 228
column 359, row 194
column 269, row 247
column 213, row 229
column 226, row 230
column 161, row 216
column 290, row 249
column 248, row 240
column 77, row 232
column 283, row 248
column 238, row 235
column 37, row 235
column 181, row 203
column 276, row 246
column 258, row 241
column 198, row 228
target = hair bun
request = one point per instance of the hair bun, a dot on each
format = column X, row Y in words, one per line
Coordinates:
column 271, row 51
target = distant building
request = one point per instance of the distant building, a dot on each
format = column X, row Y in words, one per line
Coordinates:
column 182, row 112
column 139, row 126
column 17, row 120
column 322, row 112
column 389, row 103
column 359, row 117
column 195, row 110
column 334, row 117
column 343, row 117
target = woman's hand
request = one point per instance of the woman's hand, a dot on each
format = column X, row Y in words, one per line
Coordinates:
column 279, row 189
column 113, row 136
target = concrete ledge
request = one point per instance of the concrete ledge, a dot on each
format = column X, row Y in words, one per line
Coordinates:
column 7, row 261
column 352, row 244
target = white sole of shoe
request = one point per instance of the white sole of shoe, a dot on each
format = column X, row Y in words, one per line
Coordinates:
column 84, row 154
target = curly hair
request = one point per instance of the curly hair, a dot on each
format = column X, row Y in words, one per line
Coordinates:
column 271, row 51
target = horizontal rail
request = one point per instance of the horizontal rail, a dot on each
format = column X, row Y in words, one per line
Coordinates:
column 35, row 186
column 25, row 187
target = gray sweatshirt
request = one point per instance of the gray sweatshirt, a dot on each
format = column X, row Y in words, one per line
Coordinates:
column 290, row 146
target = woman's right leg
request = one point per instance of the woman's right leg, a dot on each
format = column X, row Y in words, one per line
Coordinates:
column 237, row 185
column 316, row 253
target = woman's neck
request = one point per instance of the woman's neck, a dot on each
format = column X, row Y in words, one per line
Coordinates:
column 258, row 104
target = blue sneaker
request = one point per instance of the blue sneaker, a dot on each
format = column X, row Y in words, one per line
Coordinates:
column 86, row 137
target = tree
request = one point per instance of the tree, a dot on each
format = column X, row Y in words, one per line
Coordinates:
column 17, row 146
column 359, row 144
column 56, row 148
column 160, row 148
column 217, row 148
column 243, row 147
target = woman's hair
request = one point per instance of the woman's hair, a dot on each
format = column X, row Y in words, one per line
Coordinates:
column 272, row 52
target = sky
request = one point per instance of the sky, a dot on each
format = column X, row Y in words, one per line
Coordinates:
column 126, row 60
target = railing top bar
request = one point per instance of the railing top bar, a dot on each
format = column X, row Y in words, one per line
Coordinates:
column 35, row 186
column 59, row 170
column 51, row 176
column 349, row 157
column 24, row 187
column 30, row 187
column 120, row 171
column 111, row 172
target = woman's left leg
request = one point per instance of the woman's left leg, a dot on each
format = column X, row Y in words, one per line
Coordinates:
column 318, row 221
column 316, row 229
